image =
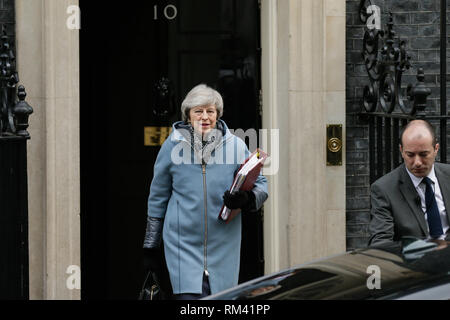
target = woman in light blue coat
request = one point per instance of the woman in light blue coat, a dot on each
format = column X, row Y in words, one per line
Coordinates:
column 193, row 171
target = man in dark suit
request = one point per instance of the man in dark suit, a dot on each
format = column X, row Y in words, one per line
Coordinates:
column 413, row 199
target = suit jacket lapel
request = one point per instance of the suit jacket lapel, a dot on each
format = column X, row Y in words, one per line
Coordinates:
column 411, row 196
column 444, row 183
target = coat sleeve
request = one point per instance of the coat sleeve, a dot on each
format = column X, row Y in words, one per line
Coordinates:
column 161, row 186
column 381, row 226
column 260, row 191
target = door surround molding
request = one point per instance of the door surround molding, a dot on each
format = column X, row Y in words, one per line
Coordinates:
column 48, row 65
column 303, row 84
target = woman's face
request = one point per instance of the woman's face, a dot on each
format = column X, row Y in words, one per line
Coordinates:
column 203, row 118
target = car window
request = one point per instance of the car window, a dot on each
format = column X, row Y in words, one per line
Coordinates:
column 439, row 292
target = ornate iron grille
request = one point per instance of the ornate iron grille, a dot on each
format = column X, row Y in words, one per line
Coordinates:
column 14, row 115
column 387, row 103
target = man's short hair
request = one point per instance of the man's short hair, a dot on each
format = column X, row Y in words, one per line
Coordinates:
column 427, row 125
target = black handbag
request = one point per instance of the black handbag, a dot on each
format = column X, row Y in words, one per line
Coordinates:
column 151, row 290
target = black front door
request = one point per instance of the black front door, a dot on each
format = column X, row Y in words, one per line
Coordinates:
column 138, row 61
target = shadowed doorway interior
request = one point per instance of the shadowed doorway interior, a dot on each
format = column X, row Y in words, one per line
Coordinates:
column 138, row 61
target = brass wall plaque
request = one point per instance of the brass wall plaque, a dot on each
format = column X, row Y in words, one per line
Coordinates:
column 155, row 136
column 334, row 145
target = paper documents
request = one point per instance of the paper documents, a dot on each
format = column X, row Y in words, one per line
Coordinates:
column 244, row 180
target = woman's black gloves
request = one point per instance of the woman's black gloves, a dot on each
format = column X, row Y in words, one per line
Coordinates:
column 153, row 257
column 240, row 199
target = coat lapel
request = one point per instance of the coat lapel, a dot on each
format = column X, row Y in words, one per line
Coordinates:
column 411, row 195
column 444, row 181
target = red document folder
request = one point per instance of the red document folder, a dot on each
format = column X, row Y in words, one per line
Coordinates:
column 244, row 180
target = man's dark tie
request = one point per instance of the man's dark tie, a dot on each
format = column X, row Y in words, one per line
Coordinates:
column 434, row 220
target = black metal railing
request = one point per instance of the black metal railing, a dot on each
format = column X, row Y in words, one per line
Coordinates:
column 14, row 113
column 388, row 104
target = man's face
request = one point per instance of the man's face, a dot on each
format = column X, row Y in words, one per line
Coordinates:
column 418, row 151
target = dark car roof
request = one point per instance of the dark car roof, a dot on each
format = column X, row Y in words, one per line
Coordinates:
column 403, row 269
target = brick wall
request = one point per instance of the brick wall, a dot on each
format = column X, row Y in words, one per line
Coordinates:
column 7, row 18
column 417, row 22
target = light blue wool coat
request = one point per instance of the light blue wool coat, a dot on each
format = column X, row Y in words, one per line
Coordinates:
column 193, row 243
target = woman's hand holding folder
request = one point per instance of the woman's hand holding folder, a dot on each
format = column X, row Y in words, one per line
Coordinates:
column 244, row 200
column 242, row 187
